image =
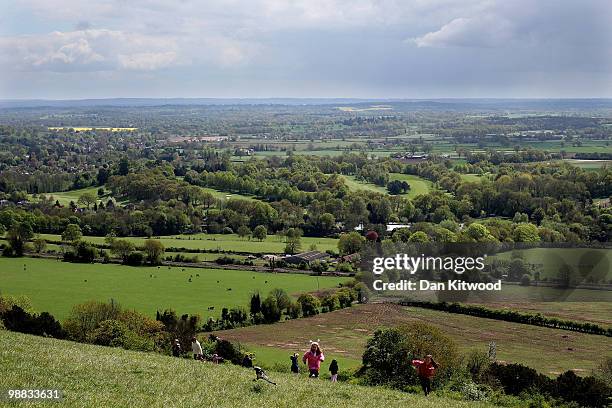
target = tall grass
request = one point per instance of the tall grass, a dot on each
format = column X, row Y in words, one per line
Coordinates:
column 94, row 376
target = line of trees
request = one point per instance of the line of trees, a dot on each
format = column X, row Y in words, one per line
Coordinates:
column 278, row 304
column 512, row 316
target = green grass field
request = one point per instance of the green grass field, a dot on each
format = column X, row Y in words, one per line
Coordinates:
column 95, row 376
column 418, row 185
column 222, row 242
column 472, row 178
column 590, row 164
column 65, row 197
column 343, row 334
column 56, row 286
column 592, row 262
column 221, row 195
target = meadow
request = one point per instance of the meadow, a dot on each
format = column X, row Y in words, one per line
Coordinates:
column 56, row 286
column 110, row 377
column 221, row 242
column 344, row 333
column 418, row 185
column 88, row 128
column 65, row 197
column 584, row 261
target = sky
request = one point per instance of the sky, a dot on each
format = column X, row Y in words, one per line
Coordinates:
column 70, row 49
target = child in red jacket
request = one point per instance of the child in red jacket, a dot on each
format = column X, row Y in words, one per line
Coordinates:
column 314, row 357
column 426, row 369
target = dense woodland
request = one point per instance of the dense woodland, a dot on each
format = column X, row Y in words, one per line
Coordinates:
column 150, row 183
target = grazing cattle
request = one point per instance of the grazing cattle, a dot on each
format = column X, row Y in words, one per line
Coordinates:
column 229, row 288
column 211, row 308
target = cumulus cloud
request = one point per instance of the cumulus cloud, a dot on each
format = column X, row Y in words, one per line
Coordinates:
column 524, row 23
column 101, row 50
column 485, row 31
column 87, row 50
column 309, row 47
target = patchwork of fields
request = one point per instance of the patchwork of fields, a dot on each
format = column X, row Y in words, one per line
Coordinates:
column 344, row 333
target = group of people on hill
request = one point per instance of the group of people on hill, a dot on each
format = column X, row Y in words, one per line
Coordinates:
column 313, row 358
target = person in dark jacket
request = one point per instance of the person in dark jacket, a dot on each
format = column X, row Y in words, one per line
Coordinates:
column 333, row 369
column 247, row 361
column 426, row 369
column 176, row 348
column 295, row 367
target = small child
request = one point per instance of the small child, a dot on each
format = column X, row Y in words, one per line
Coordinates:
column 333, row 369
column 295, row 368
column 313, row 357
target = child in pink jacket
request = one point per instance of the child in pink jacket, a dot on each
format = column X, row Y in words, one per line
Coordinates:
column 314, row 357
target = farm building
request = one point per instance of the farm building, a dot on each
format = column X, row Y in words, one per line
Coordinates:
column 306, row 257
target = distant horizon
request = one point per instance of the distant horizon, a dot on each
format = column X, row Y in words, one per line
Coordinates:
column 348, row 98
column 396, row 104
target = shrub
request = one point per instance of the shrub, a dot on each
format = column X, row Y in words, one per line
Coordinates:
column 517, row 378
column 44, row 324
column 229, row 351
column 135, row 259
column 108, row 333
column 331, row 303
column 344, row 267
column 587, row 391
column 8, row 301
column 270, row 310
column 84, row 318
column 525, row 280
column 154, row 250
column 477, row 363
column 604, row 371
column 226, row 260
column 183, row 328
column 346, row 297
column 310, row 304
column 350, row 243
column 294, row 310
column 386, row 359
column 282, row 298
column 474, row 392
column 115, row 333
column 319, row 266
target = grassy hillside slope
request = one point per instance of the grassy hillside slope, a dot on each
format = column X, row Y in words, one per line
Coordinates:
column 93, row 376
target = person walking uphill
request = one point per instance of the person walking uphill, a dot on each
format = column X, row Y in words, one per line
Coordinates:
column 313, row 357
column 426, row 369
column 197, row 349
column 295, row 368
column 176, row 348
column 333, row 369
